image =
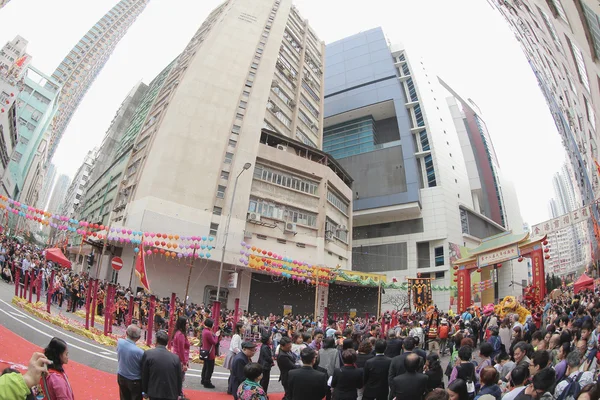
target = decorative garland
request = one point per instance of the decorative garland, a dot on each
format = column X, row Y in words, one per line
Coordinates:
column 179, row 246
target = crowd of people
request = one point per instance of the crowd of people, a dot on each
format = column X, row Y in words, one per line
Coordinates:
column 550, row 354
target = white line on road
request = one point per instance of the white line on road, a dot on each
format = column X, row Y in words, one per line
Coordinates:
column 63, row 333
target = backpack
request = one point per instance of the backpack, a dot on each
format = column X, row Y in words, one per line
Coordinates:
column 571, row 392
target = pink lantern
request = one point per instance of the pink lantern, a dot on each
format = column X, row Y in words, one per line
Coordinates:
column 149, row 252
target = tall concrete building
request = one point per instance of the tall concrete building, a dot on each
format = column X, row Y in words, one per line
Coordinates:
column 480, row 157
column 49, row 179
column 77, row 72
column 116, row 149
column 387, row 123
column 36, row 106
column 74, row 194
column 58, row 194
column 13, row 61
column 570, row 246
column 561, row 40
column 231, row 149
column 3, row 3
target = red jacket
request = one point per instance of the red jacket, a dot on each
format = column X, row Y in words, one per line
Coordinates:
column 209, row 342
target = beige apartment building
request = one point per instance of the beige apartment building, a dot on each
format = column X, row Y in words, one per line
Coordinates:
column 247, row 90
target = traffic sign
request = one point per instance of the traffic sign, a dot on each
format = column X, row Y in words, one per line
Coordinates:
column 117, row 263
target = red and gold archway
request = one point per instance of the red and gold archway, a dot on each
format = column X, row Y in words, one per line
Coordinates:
column 496, row 250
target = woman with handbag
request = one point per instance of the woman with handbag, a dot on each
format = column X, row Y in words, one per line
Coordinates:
column 55, row 383
column 465, row 370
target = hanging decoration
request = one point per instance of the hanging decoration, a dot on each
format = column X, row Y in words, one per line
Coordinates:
column 419, row 290
column 479, row 287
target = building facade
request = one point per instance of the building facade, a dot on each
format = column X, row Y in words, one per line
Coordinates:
column 570, row 247
column 234, row 153
column 561, row 40
column 388, row 124
column 3, row 3
column 36, row 106
column 101, row 192
column 49, row 179
column 58, row 194
column 74, row 195
column 77, row 72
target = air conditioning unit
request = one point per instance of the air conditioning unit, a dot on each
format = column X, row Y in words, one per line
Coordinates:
column 329, row 236
column 255, row 217
column 342, row 228
column 292, row 104
column 247, row 235
column 281, row 147
column 275, row 108
column 314, row 126
column 290, row 227
column 275, row 84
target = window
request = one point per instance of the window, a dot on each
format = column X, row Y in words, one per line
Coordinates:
column 304, row 118
column 283, row 179
column 236, row 129
column 428, row 160
column 224, row 175
column 232, row 143
column 423, row 258
column 282, row 212
column 591, row 115
column 439, row 256
column 217, row 210
column 254, row 65
column 594, row 25
column 16, row 157
column 305, row 139
column 337, row 202
column 581, row 69
column 464, row 221
column 279, row 114
column 228, row 157
column 249, row 83
column 213, row 229
column 243, row 104
column 221, row 191
column 333, row 229
column 440, row 275
column 282, row 95
column 309, row 106
column 23, row 140
column 561, row 11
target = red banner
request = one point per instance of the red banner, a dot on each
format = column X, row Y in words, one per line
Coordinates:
column 140, row 269
column 463, row 285
column 539, row 276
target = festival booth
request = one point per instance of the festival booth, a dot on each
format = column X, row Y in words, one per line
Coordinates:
column 56, row 255
column 495, row 250
column 584, row 282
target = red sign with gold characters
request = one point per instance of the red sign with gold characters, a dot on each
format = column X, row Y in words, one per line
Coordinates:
column 539, row 277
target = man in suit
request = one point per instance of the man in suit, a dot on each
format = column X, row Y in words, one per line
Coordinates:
column 162, row 375
column 307, row 383
column 376, row 373
column 394, row 345
column 411, row 385
column 397, row 365
column 286, row 362
column 238, row 363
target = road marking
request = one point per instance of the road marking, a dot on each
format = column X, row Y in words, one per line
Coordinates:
column 103, row 353
column 63, row 333
column 51, row 336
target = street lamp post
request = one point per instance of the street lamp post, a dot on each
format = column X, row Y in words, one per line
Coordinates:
column 217, row 304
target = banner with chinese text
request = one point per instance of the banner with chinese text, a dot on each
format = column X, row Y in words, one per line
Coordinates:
column 498, row 256
column 419, row 290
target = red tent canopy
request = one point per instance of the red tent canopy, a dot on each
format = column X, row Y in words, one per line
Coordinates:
column 57, row 256
column 584, row 282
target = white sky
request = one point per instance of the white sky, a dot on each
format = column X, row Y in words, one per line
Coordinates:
column 466, row 42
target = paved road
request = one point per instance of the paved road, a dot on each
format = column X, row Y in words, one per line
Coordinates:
column 88, row 352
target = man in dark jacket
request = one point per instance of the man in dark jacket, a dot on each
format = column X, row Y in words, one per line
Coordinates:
column 410, row 385
column 238, row 363
column 162, row 376
column 376, row 374
column 307, row 383
column 394, row 345
column 397, row 365
column 286, row 363
column 265, row 359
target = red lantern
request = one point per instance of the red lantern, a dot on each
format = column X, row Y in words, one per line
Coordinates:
column 162, row 251
column 546, row 250
column 455, row 280
column 264, row 252
column 163, row 243
column 520, row 259
column 547, row 256
column 7, row 102
column 157, row 243
column 545, row 242
column 101, row 227
column 479, row 270
column 455, row 267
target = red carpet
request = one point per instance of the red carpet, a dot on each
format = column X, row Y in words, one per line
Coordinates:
column 88, row 383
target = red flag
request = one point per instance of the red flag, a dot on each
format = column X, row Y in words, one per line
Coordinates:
column 140, row 269
column 21, row 61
